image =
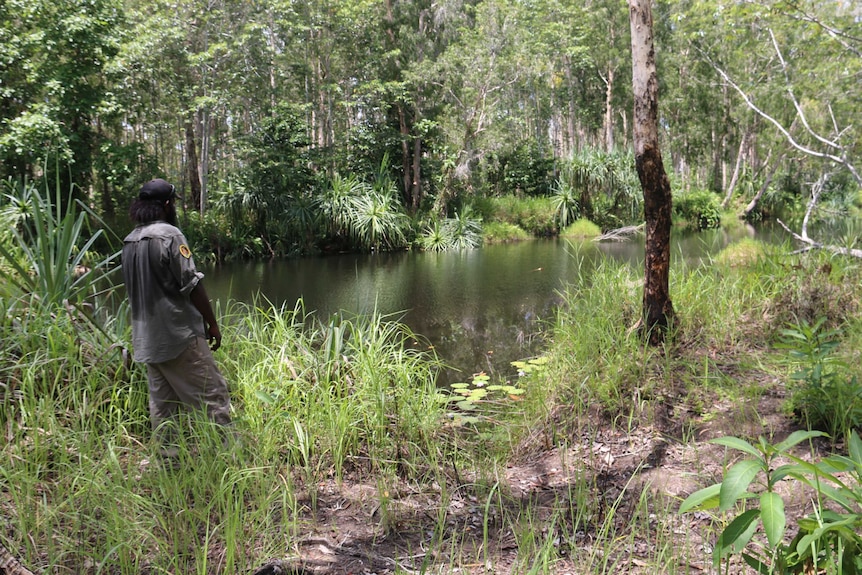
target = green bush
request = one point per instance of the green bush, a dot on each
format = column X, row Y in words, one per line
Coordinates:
column 699, row 209
column 536, row 216
column 581, row 229
column 827, row 541
column 823, row 394
column 498, row 232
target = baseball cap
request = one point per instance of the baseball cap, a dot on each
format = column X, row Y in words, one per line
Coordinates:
column 158, row 189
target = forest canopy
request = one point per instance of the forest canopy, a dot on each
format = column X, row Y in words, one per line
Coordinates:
column 370, row 123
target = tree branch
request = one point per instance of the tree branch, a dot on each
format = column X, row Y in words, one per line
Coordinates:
column 841, row 161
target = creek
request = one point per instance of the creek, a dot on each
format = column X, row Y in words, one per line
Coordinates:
column 480, row 309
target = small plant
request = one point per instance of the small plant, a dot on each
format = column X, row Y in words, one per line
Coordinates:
column 827, row 541
column 824, row 396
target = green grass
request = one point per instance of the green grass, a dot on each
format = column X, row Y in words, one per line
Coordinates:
column 581, row 229
column 323, row 402
column 499, row 232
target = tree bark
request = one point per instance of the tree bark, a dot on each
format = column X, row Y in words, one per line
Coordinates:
column 740, row 159
column 192, row 166
column 657, row 306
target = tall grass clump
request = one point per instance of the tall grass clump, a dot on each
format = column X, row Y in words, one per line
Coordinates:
column 728, row 312
column 536, row 216
column 338, row 392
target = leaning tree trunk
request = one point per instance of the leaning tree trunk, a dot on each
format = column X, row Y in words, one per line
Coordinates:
column 657, row 307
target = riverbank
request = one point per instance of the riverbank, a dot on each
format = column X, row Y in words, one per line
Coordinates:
column 353, row 461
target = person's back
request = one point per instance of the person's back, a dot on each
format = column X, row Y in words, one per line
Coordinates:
column 163, row 318
column 172, row 318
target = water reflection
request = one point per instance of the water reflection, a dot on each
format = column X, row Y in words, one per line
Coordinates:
column 480, row 309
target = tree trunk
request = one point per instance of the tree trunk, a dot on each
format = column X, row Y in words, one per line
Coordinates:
column 609, row 110
column 657, row 306
column 753, row 203
column 205, row 158
column 740, row 159
column 192, row 166
column 416, row 198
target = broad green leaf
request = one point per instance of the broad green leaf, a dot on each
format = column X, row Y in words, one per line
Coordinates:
column 705, row 498
column 756, row 564
column 773, row 517
column 738, row 444
column 736, row 535
column 736, row 482
column 796, row 438
column 856, row 449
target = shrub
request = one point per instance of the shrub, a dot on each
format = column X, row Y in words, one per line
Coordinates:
column 498, row 232
column 699, row 209
column 536, row 216
column 827, row 541
column 824, row 395
column 581, row 229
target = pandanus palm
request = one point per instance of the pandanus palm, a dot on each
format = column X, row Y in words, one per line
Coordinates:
column 48, row 256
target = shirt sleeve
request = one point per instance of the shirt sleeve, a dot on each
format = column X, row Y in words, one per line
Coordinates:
column 182, row 264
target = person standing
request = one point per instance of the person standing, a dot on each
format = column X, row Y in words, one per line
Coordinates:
column 174, row 329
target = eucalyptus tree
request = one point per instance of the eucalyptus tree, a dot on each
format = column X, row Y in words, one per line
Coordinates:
column 608, row 35
column 787, row 74
column 657, row 306
column 197, row 72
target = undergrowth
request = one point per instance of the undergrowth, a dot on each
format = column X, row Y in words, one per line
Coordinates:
column 353, row 399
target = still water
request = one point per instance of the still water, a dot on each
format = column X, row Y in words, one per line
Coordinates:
column 480, row 309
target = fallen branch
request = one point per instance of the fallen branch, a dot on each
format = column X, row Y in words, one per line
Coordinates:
column 815, row 244
column 619, row 234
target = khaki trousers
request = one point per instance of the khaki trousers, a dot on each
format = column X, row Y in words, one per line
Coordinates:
column 191, row 381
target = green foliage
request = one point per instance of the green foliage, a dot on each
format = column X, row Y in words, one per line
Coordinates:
column 827, row 541
column 607, row 187
column 824, row 395
column 536, row 216
column 581, row 229
column 464, row 231
column 358, row 386
column 54, row 87
column 698, row 209
column 215, row 237
column 275, row 176
column 50, row 260
column 526, row 170
column 497, row 232
column 745, row 252
column 566, row 203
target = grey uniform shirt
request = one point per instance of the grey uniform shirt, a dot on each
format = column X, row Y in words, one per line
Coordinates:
column 159, row 273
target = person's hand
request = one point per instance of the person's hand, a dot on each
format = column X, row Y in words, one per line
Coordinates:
column 214, row 337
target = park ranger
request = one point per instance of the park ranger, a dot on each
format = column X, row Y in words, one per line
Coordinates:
column 174, row 329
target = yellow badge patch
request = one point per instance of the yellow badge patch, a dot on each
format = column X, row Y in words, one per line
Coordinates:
column 185, row 251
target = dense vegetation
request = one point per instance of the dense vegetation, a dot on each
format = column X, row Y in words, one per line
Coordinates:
column 345, row 411
column 299, row 127
column 296, row 127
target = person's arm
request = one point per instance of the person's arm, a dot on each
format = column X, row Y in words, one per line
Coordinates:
column 201, row 301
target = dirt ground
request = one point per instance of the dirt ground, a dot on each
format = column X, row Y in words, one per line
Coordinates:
column 661, row 464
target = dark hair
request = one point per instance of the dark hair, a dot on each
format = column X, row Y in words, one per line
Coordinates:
column 146, row 211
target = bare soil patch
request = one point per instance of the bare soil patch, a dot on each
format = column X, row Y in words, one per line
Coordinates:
column 354, row 532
